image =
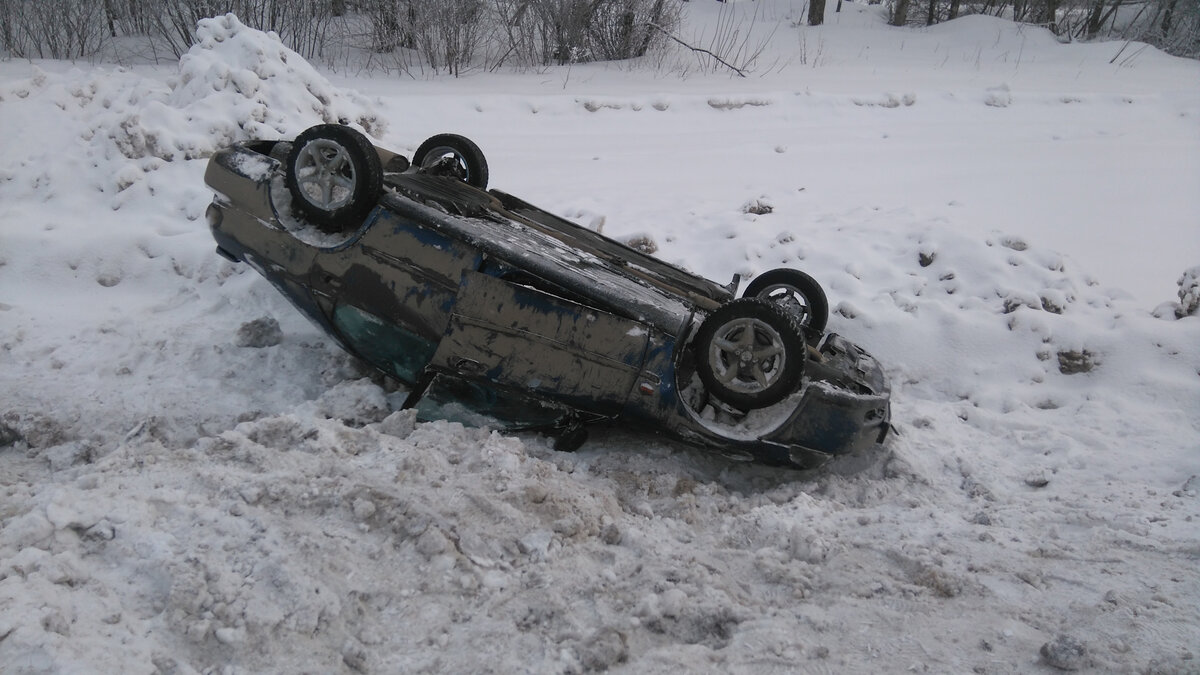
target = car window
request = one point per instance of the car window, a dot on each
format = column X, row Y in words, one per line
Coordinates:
column 384, row 344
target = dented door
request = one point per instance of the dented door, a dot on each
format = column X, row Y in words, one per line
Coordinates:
column 402, row 271
column 521, row 337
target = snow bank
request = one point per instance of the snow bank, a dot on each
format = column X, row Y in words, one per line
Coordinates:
column 238, row 83
column 298, row 541
column 235, row 84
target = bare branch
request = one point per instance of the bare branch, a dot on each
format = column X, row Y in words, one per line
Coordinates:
column 698, row 50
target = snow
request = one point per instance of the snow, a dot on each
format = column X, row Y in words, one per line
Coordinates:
column 195, row 479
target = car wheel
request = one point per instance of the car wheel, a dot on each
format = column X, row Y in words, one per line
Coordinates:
column 455, row 156
column 796, row 292
column 334, row 175
column 750, row 353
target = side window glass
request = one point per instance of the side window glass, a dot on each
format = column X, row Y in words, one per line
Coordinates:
column 384, row 344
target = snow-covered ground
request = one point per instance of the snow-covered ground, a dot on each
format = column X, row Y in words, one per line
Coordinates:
column 989, row 210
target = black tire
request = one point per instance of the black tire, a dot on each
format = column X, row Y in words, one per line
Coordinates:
column 454, row 156
column 334, row 175
column 749, row 353
column 796, row 292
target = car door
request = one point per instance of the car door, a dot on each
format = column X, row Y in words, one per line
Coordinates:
column 524, row 338
column 389, row 293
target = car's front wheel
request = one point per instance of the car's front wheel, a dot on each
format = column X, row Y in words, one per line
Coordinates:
column 796, row 292
column 454, row 156
column 334, row 175
column 750, row 353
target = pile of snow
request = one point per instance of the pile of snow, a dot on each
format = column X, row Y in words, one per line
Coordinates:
column 234, row 84
column 195, row 473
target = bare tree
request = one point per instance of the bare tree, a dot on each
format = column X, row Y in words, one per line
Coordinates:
column 453, row 35
column 448, row 32
column 9, row 35
column 1098, row 16
column 445, row 35
column 54, row 29
column 391, row 22
column 621, row 29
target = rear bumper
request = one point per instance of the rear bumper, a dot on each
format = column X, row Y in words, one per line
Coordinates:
column 833, row 421
column 843, row 407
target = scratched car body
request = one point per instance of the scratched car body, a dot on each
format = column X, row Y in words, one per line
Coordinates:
column 484, row 305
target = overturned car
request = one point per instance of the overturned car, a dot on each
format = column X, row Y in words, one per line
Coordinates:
column 490, row 309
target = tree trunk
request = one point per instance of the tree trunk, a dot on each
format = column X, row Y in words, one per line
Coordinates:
column 900, row 13
column 1048, row 14
column 955, row 5
column 1168, row 17
column 109, row 16
column 931, row 16
column 656, row 14
column 1092, row 25
column 1099, row 17
column 816, row 12
column 1020, row 9
column 6, row 31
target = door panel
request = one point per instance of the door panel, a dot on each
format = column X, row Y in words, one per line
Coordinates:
column 520, row 337
column 401, row 271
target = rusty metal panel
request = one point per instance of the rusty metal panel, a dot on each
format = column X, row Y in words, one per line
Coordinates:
column 521, row 337
column 607, row 285
column 399, row 270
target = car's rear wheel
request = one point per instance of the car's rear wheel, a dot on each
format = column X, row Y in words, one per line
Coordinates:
column 749, row 353
column 454, row 156
column 799, row 294
column 334, row 176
